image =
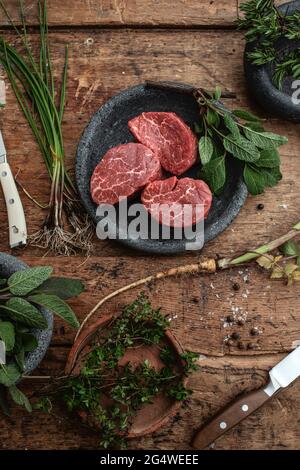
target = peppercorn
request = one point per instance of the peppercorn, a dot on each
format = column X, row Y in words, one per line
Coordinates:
column 260, row 207
column 236, row 286
column 241, row 322
column 254, row 331
column 230, row 319
column 235, row 336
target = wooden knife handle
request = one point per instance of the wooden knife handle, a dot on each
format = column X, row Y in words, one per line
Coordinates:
column 229, row 417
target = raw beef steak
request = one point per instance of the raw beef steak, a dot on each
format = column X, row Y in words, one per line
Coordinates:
column 169, row 137
column 180, row 193
column 122, row 172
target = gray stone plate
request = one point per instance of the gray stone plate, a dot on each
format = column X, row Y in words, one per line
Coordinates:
column 9, row 265
column 109, row 128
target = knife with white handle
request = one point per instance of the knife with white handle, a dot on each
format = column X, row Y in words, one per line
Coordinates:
column 281, row 376
column 15, row 211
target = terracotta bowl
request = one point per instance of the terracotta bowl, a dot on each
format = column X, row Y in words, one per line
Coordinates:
column 152, row 416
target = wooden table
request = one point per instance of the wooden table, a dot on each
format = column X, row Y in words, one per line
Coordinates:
column 115, row 44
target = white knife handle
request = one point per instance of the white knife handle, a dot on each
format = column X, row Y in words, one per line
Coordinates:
column 15, row 211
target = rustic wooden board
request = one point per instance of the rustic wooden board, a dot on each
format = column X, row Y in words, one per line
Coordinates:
column 182, row 13
column 119, row 59
column 103, row 62
column 276, row 426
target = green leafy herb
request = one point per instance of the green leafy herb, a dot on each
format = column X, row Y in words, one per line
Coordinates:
column 129, row 386
column 21, row 296
column 263, row 20
column 240, row 135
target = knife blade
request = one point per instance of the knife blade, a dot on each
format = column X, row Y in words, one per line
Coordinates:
column 281, row 376
column 15, row 211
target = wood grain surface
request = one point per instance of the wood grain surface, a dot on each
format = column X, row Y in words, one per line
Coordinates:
column 103, row 61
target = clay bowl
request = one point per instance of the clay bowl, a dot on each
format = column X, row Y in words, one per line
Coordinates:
column 9, row 265
column 109, row 127
column 152, row 416
column 260, row 78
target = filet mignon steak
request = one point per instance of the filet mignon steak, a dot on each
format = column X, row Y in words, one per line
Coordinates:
column 169, row 137
column 122, row 172
column 183, row 195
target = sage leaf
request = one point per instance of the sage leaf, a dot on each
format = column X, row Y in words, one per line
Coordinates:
column 265, row 140
column 269, row 158
column 9, row 374
column 20, row 359
column 245, row 115
column 19, row 398
column 62, row 287
column 214, row 173
column 271, row 176
column 290, row 248
column 23, row 282
column 255, row 182
column 231, row 125
column 22, row 311
column 3, row 401
column 241, row 148
column 29, row 342
column 206, row 149
column 57, row 306
column 7, row 334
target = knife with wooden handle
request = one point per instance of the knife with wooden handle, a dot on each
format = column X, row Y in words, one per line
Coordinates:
column 281, row 376
column 15, row 211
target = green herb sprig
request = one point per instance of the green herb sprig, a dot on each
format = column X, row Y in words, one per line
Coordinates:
column 128, row 387
column 236, row 134
column 21, row 297
column 263, row 20
column 42, row 102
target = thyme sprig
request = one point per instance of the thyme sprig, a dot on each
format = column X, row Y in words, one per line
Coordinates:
column 263, row 21
column 129, row 387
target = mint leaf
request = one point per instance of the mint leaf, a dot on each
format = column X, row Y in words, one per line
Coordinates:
column 206, row 149
column 231, row 125
column 62, row 287
column 29, row 342
column 23, row 282
column 245, row 115
column 22, row 311
column 241, row 148
column 57, row 306
column 212, row 118
column 214, row 173
column 9, row 374
column 254, row 180
column 265, row 140
column 7, row 334
column 272, row 176
column 218, row 93
column 269, row 159
column 290, row 248
column 19, row 398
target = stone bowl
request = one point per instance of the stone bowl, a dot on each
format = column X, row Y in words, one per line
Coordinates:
column 260, row 78
column 109, row 127
column 8, row 266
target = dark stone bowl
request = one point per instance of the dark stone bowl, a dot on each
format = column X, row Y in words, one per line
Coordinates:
column 109, row 128
column 260, row 78
column 9, row 265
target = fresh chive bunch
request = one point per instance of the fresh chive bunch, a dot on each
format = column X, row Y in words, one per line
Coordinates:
column 43, row 102
column 262, row 20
